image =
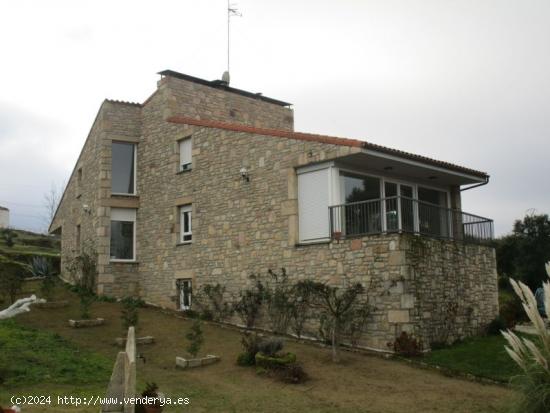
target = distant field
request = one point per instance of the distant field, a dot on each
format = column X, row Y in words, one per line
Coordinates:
column 29, row 244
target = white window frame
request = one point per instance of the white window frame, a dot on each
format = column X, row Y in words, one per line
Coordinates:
column 383, row 180
column 186, row 209
column 125, row 215
column 135, row 169
column 181, row 290
column 187, row 163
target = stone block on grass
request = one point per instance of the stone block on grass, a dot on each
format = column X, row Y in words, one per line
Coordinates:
column 87, row 323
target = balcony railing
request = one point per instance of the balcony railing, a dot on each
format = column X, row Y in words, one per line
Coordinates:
column 401, row 214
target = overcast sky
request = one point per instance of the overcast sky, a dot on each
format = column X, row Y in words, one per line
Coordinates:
column 462, row 81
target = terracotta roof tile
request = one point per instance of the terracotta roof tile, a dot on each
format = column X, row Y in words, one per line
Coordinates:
column 322, row 139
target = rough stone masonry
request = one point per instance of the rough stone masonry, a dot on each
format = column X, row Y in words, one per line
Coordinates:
column 418, row 284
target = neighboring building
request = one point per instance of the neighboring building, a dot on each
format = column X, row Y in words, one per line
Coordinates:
column 205, row 183
column 4, row 217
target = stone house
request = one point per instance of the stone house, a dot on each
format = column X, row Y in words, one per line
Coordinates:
column 206, row 183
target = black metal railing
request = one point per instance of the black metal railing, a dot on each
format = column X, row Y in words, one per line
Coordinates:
column 401, row 214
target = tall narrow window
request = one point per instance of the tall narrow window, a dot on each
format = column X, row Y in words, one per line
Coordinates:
column 185, row 147
column 186, row 234
column 77, row 244
column 123, row 234
column 185, row 292
column 123, row 166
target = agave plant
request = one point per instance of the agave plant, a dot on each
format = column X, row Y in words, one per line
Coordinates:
column 41, row 267
column 533, row 359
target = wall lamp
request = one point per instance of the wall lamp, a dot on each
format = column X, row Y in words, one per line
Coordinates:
column 244, row 174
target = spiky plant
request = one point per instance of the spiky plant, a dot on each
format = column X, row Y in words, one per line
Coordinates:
column 533, row 357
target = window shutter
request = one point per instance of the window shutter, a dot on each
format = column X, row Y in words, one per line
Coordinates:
column 313, row 202
column 185, row 151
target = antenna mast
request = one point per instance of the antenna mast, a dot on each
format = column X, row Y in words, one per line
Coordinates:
column 232, row 10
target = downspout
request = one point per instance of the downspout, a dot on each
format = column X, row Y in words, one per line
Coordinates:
column 476, row 185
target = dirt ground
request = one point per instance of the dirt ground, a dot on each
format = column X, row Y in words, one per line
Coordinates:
column 361, row 383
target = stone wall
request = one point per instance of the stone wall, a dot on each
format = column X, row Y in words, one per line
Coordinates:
column 192, row 99
column 454, row 285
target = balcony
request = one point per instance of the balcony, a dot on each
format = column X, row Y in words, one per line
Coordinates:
column 400, row 214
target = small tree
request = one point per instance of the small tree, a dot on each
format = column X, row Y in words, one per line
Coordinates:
column 250, row 302
column 339, row 307
column 195, row 338
column 83, row 271
column 129, row 315
column 12, row 276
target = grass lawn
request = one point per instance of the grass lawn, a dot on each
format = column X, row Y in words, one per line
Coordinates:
column 361, row 383
column 480, row 356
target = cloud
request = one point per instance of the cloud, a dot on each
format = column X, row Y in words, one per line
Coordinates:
column 27, row 168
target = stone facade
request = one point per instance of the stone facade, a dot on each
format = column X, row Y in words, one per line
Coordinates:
column 242, row 227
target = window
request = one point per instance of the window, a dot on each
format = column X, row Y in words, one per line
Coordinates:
column 123, row 164
column 358, row 188
column 185, row 291
column 123, row 234
column 361, row 218
column 433, row 216
column 186, row 234
column 78, row 238
column 185, row 147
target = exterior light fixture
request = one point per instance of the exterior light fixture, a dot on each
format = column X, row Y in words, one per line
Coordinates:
column 244, row 174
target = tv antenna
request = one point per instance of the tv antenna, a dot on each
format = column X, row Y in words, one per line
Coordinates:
column 232, row 11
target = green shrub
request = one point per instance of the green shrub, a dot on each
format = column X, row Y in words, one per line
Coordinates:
column 496, row 326
column 510, row 308
column 8, row 235
column 12, row 275
column 268, row 362
column 245, row 359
